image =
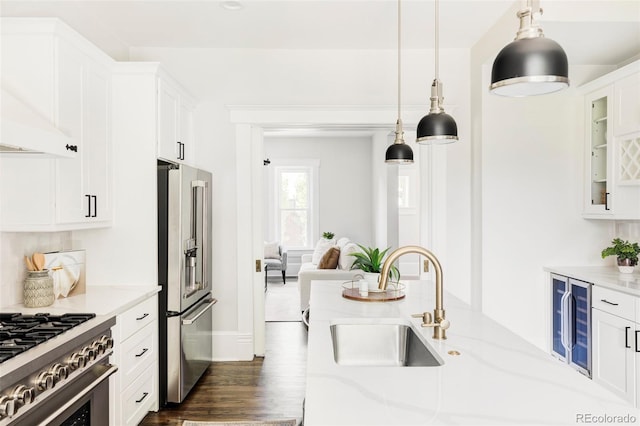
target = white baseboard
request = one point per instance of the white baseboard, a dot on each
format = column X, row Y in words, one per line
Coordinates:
column 232, row 346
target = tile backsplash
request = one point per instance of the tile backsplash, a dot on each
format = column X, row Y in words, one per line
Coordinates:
column 628, row 231
column 13, row 247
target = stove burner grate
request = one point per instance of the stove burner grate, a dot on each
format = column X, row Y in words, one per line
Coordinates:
column 19, row 333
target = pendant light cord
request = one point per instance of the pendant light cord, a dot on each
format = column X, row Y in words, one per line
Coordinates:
column 399, row 67
column 437, row 39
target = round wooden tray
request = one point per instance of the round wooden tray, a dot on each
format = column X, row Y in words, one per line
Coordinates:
column 373, row 296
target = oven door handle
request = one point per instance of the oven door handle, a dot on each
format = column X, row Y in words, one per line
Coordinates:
column 209, row 304
column 104, row 376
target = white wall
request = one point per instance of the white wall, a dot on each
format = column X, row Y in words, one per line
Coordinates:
column 344, row 180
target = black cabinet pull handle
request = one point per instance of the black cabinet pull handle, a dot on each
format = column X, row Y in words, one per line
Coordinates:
column 143, row 397
column 606, row 201
column 144, row 351
column 142, row 317
column 88, row 206
column 637, row 349
column 95, row 206
column 73, row 148
column 180, row 150
column 610, row 303
column 626, row 338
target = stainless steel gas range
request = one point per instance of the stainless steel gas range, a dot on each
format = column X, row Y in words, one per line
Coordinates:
column 54, row 369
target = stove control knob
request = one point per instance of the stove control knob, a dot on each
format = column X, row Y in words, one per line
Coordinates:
column 23, row 394
column 88, row 353
column 76, row 361
column 45, row 381
column 106, row 341
column 7, row 406
column 98, row 347
column 59, row 372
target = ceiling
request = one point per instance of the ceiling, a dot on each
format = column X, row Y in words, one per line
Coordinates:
column 608, row 30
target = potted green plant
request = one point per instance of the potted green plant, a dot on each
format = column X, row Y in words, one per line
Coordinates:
column 328, row 235
column 626, row 252
column 370, row 261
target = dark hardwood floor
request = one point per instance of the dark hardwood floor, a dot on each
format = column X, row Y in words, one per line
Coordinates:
column 265, row 388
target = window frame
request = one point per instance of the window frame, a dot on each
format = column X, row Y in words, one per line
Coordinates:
column 277, row 167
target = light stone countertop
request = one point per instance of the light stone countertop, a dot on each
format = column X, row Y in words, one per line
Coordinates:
column 498, row 378
column 604, row 276
column 101, row 300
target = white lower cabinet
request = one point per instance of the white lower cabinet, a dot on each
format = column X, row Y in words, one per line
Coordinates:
column 616, row 343
column 134, row 387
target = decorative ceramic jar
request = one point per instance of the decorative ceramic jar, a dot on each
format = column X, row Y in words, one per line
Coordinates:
column 626, row 266
column 38, row 289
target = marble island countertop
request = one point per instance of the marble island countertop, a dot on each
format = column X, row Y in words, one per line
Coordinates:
column 497, row 379
column 100, row 300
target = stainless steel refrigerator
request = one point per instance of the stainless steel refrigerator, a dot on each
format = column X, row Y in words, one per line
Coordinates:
column 184, row 273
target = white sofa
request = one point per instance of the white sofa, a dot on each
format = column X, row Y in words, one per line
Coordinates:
column 309, row 270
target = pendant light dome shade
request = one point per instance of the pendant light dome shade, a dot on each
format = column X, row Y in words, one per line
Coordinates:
column 399, row 153
column 531, row 64
column 437, row 128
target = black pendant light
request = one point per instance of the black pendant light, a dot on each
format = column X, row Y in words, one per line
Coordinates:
column 437, row 127
column 531, row 64
column 399, row 152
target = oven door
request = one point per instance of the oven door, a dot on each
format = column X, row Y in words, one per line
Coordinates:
column 189, row 348
column 84, row 401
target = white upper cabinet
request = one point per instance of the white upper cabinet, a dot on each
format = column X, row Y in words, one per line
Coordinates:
column 63, row 77
column 175, row 123
column 612, row 145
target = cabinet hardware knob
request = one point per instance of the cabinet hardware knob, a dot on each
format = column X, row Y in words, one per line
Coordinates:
column 637, row 349
column 142, row 317
column 88, row 206
column 607, row 302
column 626, row 337
column 73, row 148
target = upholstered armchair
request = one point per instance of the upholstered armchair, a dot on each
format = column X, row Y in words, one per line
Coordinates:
column 275, row 259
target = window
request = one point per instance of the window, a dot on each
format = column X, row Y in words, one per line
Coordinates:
column 295, row 203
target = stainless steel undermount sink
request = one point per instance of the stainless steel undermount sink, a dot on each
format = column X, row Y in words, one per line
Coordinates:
column 376, row 342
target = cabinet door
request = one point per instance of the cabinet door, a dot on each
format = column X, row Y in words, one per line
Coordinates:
column 599, row 198
column 627, row 105
column 614, row 354
column 97, row 154
column 580, row 324
column 186, row 133
column 169, row 148
column 70, row 184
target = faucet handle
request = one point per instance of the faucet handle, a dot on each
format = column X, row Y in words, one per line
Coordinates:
column 427, row 319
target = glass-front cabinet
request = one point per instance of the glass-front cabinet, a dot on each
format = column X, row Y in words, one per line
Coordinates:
column 599, row 162
column 612, row 145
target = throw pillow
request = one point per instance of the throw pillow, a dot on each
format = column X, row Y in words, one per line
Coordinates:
column 342, row 242
column 321, row 248
column 346, row 260
column 330, row 259
column 271, row 250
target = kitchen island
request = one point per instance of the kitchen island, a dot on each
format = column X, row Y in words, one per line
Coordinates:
column 497, row 378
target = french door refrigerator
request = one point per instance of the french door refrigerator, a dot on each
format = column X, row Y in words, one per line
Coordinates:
column 184, row 273
column 571, row 322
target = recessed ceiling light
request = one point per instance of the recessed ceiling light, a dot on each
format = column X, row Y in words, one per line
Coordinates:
column 231, row 5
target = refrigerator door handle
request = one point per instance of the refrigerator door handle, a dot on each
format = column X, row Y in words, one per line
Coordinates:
column 191, row 320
